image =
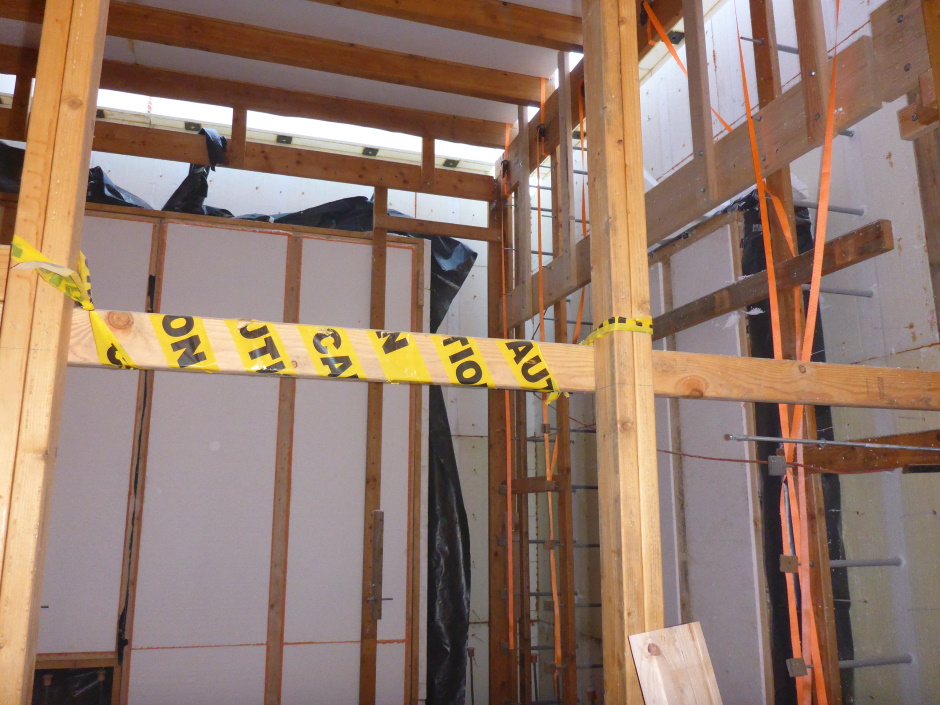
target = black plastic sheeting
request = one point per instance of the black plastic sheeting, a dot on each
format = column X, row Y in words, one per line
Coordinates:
column 72, row 686
column 767, row 422
column 11, row 167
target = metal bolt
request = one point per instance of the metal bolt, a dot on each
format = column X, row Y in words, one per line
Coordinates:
column 907, row 67
column 764, row 158
column 816, row 116
column 703, row 190
column 701, row 154
column 900, row 18
column 758, row 118
column 812, row 73
column 914, row 117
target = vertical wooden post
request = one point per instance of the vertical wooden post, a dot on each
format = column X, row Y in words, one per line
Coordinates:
column 564, row 176
column 631, row 559
column 35, row 330
column 237, row 145
column 812, row 40
column 500, row 659
column 19, row 117
column 814, row 64
column 522, row 222
column 518, row 422
column 373, row 487
column 283, row 467
column 931, row 12
column 137, row 488
column 428, row 164
column 703, row 140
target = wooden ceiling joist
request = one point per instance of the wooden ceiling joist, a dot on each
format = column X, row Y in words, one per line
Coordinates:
column 187, row 31
column 490, row 18
column 163, row 83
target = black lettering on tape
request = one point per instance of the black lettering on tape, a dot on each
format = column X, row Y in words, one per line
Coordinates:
column 267, row 348
column 178, row 326
column 393, row 341
column 328, row 334
column 188, row 349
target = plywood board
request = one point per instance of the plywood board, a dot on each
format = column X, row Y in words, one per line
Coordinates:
column 83, row 570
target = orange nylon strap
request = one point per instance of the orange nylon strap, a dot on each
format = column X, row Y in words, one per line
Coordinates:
column 675, row 55
column 507, row 408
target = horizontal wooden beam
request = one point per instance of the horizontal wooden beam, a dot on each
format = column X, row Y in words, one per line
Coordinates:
column 87, row 659
column 856, row 459
column 520, row 364
column 190, row 148
column 490, row 18
column 163, row 83
column 144, row 23
column 533, row 485
column 415, row 226
column 854, row 247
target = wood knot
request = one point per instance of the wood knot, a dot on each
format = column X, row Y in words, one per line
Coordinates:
column 654, row 650
column 802, row 369
column 121, row 320
column 75, row 103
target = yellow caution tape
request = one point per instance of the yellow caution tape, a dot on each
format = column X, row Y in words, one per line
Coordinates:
column 528, row 365
column 77, row 286
column 260, row 347
column 399, row 356
column 332, row 352
column 643, row 324
column 463, row 361
column 184, row 342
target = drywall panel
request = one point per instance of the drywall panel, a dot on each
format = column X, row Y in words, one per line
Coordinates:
column 721, row 514
column 324, row 579
column 87, row 512
column 177, row 676
column 206, row 534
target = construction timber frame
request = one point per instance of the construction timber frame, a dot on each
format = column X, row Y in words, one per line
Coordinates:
column 39, row 335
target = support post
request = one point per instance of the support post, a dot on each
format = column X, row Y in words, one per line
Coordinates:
column 236, row 147
column 373, row 488
column 501, row 678
column 703, row 140
column 280, row 513
column 631, row 563
column 35, row 330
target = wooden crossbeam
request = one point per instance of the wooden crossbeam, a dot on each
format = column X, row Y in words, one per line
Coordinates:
column 163, row 83
column 571, row 367
column 291, row 161
column 854, row 247
column 490, row 18
column 417, row 226
column 856, row 459
column 171, row 28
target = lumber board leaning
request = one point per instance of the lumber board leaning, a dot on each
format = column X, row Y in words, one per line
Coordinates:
column 35, row 330
column 144, row 23
column 674, row 666
column 179, row 85
column 854, row 247
column 675, row 374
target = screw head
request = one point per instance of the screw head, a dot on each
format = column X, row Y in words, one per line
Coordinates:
column 816, row 116
column 907, row 67
column 900, row 18
column 914, row 117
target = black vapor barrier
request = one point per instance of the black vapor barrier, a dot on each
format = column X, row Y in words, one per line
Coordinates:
column 767, row 421
column 448, row 531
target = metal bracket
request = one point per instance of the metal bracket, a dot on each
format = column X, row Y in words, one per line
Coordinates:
column 777, row 465
column 796, row 667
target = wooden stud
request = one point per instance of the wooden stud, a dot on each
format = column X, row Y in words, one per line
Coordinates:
column 927, row 160
column 428, row 165
column 137, row 485
column 163, row 83
column 86, row 659
column 523, row 654
column 854, row 247
column 501, row 670
column 563, row 175
column 34, row 334
column 631, row 561
column 283, row 471
column 703, row 139
column 235, row 155
column 373, row 474
column 490, row 18
column 19, row 118
column 522, row 224
column 931, row 11
column 814, row 64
